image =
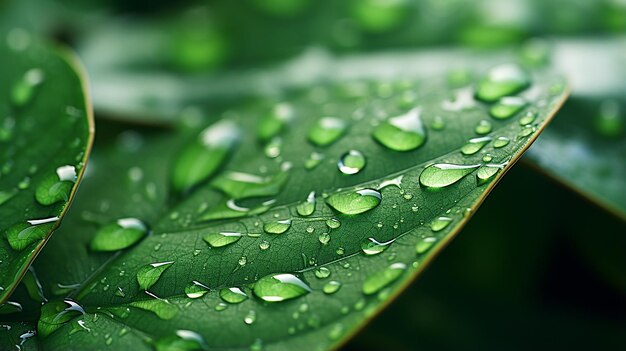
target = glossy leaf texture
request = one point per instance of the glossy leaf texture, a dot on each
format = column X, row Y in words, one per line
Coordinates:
column 585, row 148
column 46, row 131
column 329, row 202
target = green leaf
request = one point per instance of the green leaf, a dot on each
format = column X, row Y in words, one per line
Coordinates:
column 293, row 276
column 585, row 147
column 46, row 131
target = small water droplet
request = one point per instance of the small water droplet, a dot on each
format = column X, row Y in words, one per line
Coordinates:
column 333, row 223
column 314, row 159
column 56, row 186
column 25, row 88
column 182, row 340
column 195, row 290
column 149, row 274
column 327, row 130
column 438, row 123
column 443, row 174
column 221, row 239
column 272, row 124
column 474, row 145
column 307, row 207
column 250, row 317
column 440, row 223
column 483, row 127
column 402, row 133
column 264, row 245
column 528, row 118
column 280, row 287
column 242, row 261
column 277, row 227
column 324, row 238
column 118, row 235
column 487, row 172
column 354, row 202
column 381, row 279
column 424, row 244
column 233, row 295
column 502, row 80
column 501, row 142
column 55, row 314
column 322, row 272
column 507, row 107
column 351, row 162
column 371, row 246
column 331, row 287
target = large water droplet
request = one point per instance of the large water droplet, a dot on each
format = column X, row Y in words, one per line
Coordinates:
column 351, row 162
column 507, row 107
column 277, row 227
column 118, row 235
column 440, row 223
column 444, row 174
column 57, row 186
column 371, row 246
column 201, row 158
column 273, row 123
column 307, row 207
column 220, row 239
column 160, row 307
column 21, row 235
column 381, row 279
column 280, row 287
column 233, row 295
column 182, row 340
column 149, row 274
column 331, row 287
column 327, row 130
column 195, row 290
column 24, row 89
column 502, row 80
column 402, row 133
column 55, row 314
column 474, row 145
column 355, row 202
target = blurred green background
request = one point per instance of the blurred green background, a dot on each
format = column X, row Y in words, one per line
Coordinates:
column 539, row 266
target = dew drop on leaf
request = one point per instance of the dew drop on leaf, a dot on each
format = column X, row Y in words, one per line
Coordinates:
column 483, row 127
column 195, row 290
column 443, row 174
column 381, row 279
column 371, row 246
column 56, row 186
column 424, row 244
column 322, row 272
column 355, row 202
column 233, row 295
column 487, row 172
column 402, row 133
column 331, row 287
column 55, row 314
column 24, row 89
column 501, row 142
column 507, row 107
column 307, row 207
column 273, row 123
column 280, row 287
column 277, row 227
column 327, row 130
column 23, row 234
column 351, row 162
column 220, row 239
column 502, row 80
column 440, row 223
column 182, row 340
column 118, row 235
column 474, row 145
column 149, row 274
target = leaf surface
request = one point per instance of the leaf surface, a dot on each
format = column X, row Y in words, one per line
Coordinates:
column 45, row 135
column 285, row 244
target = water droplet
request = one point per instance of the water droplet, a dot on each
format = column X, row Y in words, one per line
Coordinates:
column 483, row 127
column 402, row 133
column 351, row 162
column 195, row 290
column 273, row 148
column 55, row 314
column 501, row 142
column 239, row 185
column 336, row 331
column 324, row 238
column 424, row 244
column 507, row 107
column 57, row 186
column 502, row 80
column 371, row 246
column 314, row 159
column 340, row 251
column 264, row 245
column 242, row 261
column 333, row 223
column 526, row 131
column 233, row 295
column 440, row 223
column 488, row 171
column 331, row 287
column 149, row 274
column 272, row 124
column 24, row 89
column 381, row 279
column 118, row 235
column 322, row 272
column 220, row 306
column 21, row 235
column 277, row 227
column 250, row 317
column 327, row 130
column 182, row 340
column 280, row 287
column 528, row 118
column 201, row 158
column 355, row 202
column 221, row 239
column 160, row 307
column 438, row 123
column 444, row 174
column 307, row 207
column 474, row 145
